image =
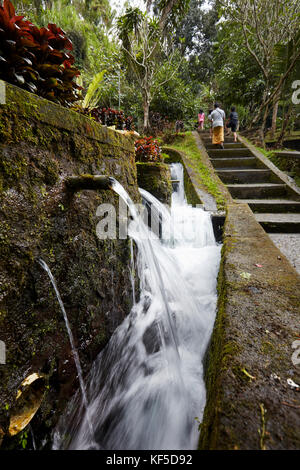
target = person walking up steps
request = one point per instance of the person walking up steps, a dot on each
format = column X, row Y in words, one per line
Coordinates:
column 218, row 118
column 210, row 122
column 232, row 123
column 201, row 117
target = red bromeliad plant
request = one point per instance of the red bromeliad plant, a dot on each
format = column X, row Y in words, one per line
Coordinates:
column 36, row 58
column 147, row 149
column 110, row 117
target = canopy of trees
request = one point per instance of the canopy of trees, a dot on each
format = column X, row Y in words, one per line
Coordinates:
column 173, row 57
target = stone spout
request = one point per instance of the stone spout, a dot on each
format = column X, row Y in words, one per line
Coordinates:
column 95, row 182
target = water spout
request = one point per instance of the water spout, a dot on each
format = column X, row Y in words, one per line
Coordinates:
column 94, row 182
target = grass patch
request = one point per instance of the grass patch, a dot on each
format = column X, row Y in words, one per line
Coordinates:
column 188, row 146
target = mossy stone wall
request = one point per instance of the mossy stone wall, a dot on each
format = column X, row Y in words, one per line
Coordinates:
column 289, row 164
column 40, row 144
column 155, row 178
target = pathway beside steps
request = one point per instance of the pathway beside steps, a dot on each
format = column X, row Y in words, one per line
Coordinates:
column 250, row 180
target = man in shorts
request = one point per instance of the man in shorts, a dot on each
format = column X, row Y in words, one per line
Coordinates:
column 233, row 123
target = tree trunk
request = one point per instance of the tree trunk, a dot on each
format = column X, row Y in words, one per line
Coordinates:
column 274, row 117
column 146, row 106
column 285, row 124
column 262, row 129
column 261, row 108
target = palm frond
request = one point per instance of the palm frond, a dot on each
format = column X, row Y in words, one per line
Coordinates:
column 92, row 96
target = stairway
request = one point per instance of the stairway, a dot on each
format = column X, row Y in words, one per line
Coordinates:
column 250, row 181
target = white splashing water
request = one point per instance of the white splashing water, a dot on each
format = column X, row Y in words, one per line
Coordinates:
column 132, row 272
column 146, row 387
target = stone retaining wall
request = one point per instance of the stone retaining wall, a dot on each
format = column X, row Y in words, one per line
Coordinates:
column 40, row 144
column 252, row 403
column 156, row 179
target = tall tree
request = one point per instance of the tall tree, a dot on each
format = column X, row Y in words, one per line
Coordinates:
column 264, row 25
column 146, row 42
column 195, row 37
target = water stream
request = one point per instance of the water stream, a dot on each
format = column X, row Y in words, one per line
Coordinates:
column 146, row 388
column 83, row 397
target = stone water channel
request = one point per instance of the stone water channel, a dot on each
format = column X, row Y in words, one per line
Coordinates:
column 146, row 389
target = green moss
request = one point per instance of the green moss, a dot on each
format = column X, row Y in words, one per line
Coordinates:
column 155, row 177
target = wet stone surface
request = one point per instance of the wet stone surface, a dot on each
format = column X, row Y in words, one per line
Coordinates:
column 289, row 245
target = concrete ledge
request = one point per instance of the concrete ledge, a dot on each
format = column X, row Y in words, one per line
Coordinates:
column 288, row 154
column 250, row 404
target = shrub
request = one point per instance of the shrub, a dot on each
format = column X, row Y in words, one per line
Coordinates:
column 109, row 117
column 171, row 137
column 147, row 149
column 36, row 59
column 159, row 123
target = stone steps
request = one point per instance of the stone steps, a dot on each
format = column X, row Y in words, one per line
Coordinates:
column 229, row 152
column 207, row 140
column 256, row 191
column 279, row 223
column 230, row 145
column 249, row 180
column 239, row 175
column 271, row 205
column 225, row 163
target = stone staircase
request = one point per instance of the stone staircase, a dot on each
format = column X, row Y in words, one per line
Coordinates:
column 249, row 180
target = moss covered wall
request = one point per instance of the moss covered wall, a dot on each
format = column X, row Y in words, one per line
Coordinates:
column 155, row 178
column 40, row 144
column 287, row 163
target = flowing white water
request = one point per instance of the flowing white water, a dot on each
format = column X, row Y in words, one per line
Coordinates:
column 132, row 272
column 83, row 397
column 146, row 387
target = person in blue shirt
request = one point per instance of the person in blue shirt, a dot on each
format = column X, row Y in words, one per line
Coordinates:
column 232, row 123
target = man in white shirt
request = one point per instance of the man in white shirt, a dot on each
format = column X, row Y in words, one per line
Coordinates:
column 218, row 117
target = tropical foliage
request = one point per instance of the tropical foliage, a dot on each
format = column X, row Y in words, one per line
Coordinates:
column 111, row 117
column 147, row 149
column 161, row 63
column 37, row 59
